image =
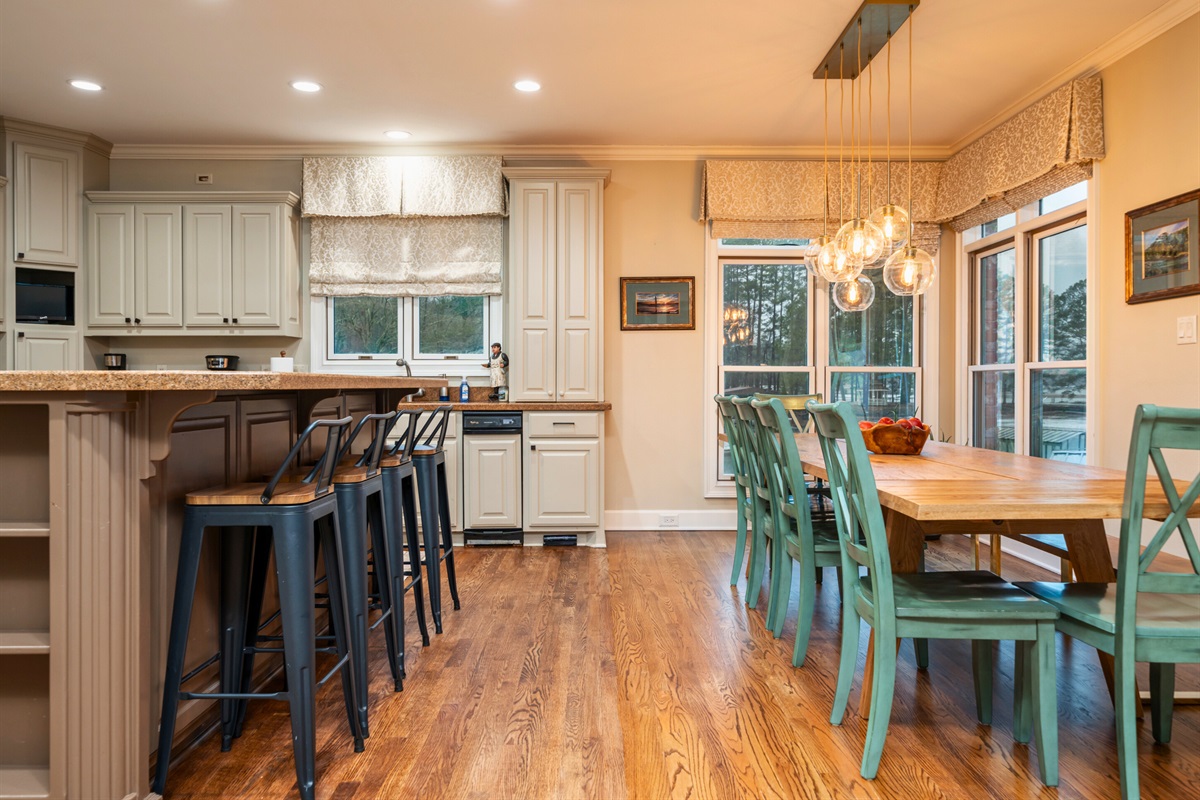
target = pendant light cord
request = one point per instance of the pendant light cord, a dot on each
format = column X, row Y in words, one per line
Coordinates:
column 888, row 200
column 825, row 157
column 911, row 224
column 870, row 136
column 841, row 129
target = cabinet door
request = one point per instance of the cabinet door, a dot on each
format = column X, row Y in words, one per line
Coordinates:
column 577, row 365
column 256, row 265
column 492, row 481
column 532, row 292
column 46, row 350
column 157, row 265
column 454, row 482
column 207, row 231
column 562, row 483
column 45, row 205
column 110, row 262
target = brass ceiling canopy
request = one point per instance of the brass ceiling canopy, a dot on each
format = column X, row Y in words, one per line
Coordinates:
column 880, row 19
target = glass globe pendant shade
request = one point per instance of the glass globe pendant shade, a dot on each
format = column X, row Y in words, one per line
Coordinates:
column 909, row 271
column 854, row 295
column 892, row 221
column 814, row 246
column 833, row 266
column 861, row 241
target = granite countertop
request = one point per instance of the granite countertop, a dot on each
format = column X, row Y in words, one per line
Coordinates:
column 200, row 380
column 487, row 405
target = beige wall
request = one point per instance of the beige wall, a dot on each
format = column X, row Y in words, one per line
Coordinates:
column 1152, row 136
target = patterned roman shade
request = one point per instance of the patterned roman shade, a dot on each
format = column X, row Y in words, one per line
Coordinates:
column 785, row 199
column 408, row 226
column 1045, row 148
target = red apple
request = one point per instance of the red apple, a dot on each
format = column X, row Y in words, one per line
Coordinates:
column 865, row 426
column 886, row 421
column 916, row 422
column 906, row 424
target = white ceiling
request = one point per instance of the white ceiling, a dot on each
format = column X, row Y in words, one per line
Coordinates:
column 615, row 72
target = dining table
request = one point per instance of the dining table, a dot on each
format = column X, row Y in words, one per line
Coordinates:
column 955, row 489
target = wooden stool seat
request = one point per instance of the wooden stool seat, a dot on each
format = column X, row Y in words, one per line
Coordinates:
column 251, row 494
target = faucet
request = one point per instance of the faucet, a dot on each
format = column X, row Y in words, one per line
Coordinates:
column 400, row 362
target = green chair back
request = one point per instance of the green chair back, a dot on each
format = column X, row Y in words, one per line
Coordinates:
column 796, row 406
column 1155, row 430
column 785, row 475
column 736, row 436
column 755, row 456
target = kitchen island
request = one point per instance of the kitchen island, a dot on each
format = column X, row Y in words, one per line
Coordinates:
column 93, row 468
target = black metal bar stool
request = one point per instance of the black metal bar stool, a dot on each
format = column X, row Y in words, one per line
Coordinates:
column 296, row 515
column 429, row 460
column 400, row 504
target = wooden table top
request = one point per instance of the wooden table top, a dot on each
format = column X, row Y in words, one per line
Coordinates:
column 953, row 482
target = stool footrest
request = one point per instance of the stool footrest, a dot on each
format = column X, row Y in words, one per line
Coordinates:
column 343, row 661
column 203, row 666
column 233, row 696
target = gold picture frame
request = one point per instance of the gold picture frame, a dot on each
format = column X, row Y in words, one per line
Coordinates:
column 658, row 304
column 1162, row 249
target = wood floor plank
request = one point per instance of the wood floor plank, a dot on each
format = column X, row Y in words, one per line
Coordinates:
column 638, row 672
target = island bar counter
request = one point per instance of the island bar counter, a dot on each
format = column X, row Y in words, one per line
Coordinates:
column 93, row 468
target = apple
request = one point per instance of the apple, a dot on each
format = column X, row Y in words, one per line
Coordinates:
column 906, row 424
column 865, row 426
column 886, row 421
column 916, row 422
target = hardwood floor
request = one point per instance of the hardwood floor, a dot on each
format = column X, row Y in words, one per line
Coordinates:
column 638, row 672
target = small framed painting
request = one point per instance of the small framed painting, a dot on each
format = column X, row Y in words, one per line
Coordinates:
column 658, row 304
column 1162, row 257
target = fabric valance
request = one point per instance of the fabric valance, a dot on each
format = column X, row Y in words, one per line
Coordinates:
column 409, row 257
column 1047, row 147
column 406, row 186
column 750, row 199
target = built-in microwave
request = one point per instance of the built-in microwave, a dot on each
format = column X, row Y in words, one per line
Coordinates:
column 45, row 296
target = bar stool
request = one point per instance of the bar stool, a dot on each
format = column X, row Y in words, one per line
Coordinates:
column 400, row 504
column 429, row 460
column 296, row 514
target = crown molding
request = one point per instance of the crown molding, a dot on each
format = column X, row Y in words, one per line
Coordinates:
column 87, row 141
column 557, row 173
column 289, row 198
column 1151, row 26
column 589, row 153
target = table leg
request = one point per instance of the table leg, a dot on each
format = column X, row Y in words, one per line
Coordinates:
column 1087, row 545
column 906, row 545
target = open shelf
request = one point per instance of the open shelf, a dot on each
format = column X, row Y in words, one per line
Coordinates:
column 24, row 783
column 24, row 643
column 34, row 528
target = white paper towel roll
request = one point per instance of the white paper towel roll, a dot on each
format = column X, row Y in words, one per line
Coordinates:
column 282, row 365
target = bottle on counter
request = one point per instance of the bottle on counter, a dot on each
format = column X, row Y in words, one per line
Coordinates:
column 464, row 391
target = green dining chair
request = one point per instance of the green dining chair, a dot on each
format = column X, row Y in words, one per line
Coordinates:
column 762, row 525
column 741, row 483
column 801, row 421
column 979, row 606
column 800, row 543
column 1148, row 616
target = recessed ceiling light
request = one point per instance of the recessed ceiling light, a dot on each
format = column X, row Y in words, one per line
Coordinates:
column 306, row 86
column 397, row 134
column 87, row 86
column 527, row 86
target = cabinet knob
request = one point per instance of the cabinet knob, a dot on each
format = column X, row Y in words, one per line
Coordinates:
column 235, row 322
column 128, row 320
column 20, row 334
column 531, row 447
column 137, row 321
column 20, row 255
column 225, row 320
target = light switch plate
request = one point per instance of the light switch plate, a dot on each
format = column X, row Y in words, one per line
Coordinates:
column 1185, row 330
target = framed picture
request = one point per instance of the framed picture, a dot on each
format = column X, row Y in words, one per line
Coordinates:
column 1162, row 249
column 658, row 304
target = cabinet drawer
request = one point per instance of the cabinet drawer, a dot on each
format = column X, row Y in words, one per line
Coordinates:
column 561, row 423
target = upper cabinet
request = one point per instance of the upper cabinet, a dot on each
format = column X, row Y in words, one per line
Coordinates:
column 45, row 205
column 555, row 270
column 161, row 261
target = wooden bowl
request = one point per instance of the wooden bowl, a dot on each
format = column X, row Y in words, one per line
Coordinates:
column 895, row 439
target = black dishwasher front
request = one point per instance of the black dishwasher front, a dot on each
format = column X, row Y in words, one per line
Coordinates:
column 492, row 488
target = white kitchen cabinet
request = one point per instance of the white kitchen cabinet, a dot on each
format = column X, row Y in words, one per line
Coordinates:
column 563, row 486
column 201, row 263
column 134, row 262
column 454, row 479
column 492, row 468
column 46, row 347
column 45, row 205
column 3, row 280
column 554, row 292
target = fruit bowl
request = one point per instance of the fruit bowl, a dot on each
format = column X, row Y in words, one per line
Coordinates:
column 888, row 437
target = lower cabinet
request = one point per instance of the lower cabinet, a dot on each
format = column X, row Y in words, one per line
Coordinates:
column 45, row 348
column 492, row 467
column 562, row 470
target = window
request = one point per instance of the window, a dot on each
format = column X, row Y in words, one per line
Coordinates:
column 774, row 329
column 1027, row 373
column 438, row 335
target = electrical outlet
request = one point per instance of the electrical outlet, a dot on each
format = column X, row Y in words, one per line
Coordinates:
column 668, row 520
column 205, row 178
column 1185, row 330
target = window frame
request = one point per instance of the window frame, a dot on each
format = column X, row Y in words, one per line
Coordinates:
column 924, row 364
column 414, row 337
column 1023, row 237
column 322, row 358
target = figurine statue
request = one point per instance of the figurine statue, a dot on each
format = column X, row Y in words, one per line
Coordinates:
column 498, row 364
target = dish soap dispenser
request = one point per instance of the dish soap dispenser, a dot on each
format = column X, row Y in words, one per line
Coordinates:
column 464, row 391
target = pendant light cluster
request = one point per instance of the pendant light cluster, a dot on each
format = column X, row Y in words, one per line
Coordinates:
column 876, row 239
